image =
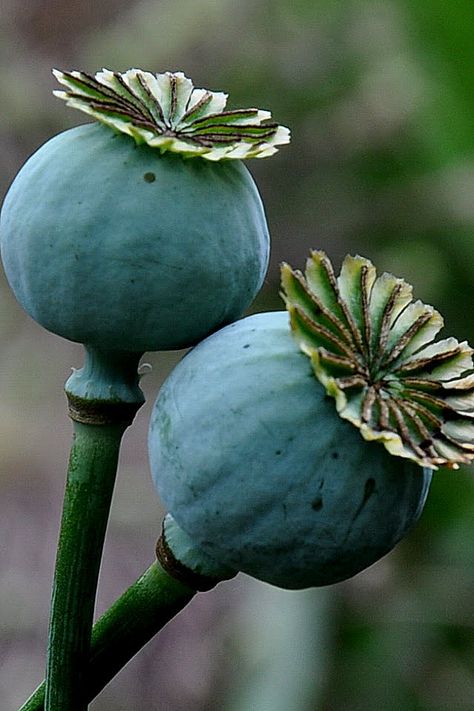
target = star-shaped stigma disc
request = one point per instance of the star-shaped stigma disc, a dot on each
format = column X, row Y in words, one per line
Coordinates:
column 167, row 112
column 372, row 347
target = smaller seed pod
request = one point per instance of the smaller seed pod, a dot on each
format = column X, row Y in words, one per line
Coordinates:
column 144, row 231
column 258, row 467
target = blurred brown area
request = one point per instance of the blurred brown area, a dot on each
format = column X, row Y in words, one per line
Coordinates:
column 379, row 95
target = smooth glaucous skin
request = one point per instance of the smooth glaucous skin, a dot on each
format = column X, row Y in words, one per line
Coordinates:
column 253, row 462
column 119, row 246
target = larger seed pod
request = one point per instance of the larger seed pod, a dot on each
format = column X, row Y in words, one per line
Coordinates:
column 255, row 439
column 131, row 240
column 252, row 460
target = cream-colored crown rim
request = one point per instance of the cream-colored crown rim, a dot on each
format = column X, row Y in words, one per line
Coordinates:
column 373, row 348
column 168, row 113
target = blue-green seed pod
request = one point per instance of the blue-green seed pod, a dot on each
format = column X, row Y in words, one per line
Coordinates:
column 253, row 462
column 119, row 246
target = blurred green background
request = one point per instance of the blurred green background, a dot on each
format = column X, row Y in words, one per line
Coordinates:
column 380, row 99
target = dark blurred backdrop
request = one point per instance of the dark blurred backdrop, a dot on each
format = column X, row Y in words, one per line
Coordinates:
column 379, row 95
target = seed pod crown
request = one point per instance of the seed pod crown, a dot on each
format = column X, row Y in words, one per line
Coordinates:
column 167, row 112
column 372, row 347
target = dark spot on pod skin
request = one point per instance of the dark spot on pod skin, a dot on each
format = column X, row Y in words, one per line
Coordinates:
column 317, row 502
column 247, row 345
column 368, row 489
column 278, row 452
column 149, row 177
column 335, row 455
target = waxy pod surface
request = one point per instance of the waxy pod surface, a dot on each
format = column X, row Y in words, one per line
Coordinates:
column 254, row 464
column 114, row 244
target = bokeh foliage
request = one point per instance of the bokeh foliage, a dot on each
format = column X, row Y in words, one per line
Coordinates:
column 379, row 95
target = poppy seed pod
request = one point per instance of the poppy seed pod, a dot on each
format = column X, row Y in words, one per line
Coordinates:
column 252, row 442
column 255, row 465
column 147, row 236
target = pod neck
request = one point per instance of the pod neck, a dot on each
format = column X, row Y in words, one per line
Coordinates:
column 106, row 389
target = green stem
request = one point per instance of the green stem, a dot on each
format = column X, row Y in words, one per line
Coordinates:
column 162, row 591
column 89, row 487
column 125, row 628
column 103, row 398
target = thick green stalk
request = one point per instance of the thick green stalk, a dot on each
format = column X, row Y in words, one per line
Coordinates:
column 125, row 628
column 162, row 591
column 89, row 487
column 103, row 398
